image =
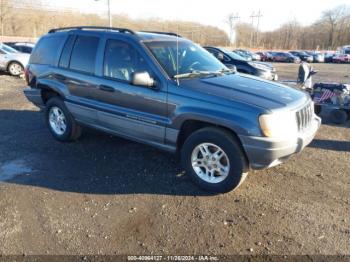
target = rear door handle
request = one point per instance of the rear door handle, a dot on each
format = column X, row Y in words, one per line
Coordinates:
column 106, row 88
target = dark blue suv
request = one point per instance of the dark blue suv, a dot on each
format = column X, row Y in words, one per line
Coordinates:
column 165, row 91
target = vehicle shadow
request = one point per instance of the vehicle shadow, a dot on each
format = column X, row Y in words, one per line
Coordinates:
column 343, row 146
column 95, row 164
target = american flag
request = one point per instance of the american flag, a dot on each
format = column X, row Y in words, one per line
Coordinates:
column 325, row 95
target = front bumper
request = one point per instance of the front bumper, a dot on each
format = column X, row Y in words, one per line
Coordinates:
column 263, row 152
column 34, row 95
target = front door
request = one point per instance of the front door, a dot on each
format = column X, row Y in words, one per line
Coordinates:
column 135, row 111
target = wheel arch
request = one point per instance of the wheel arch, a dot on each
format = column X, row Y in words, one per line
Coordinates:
column 50, row 89
column 190, row 126
column 13, row 61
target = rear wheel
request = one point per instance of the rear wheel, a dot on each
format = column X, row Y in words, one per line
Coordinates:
column 214, row 160
column 15, row 69
column 338, row 116
column 61, row 123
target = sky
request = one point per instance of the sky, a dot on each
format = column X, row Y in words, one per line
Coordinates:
column 274, row 12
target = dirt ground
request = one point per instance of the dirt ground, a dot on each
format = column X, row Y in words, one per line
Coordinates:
column 106, row 195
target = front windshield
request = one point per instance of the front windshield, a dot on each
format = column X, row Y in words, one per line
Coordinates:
column 8, row 49
column 178, row 58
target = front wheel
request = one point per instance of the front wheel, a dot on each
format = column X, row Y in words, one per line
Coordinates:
column 15, row 69
column 214, row 160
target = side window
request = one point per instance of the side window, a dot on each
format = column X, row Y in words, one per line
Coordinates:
column 121, row 60
column 213, row 52
column 67, row 50
column 84, row 54
column 47, row 50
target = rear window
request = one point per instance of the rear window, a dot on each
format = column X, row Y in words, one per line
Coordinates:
column 47, row 50
column 83, row 56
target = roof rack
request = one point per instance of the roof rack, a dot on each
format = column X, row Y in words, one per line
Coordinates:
column 121, row 30
column 162, row 33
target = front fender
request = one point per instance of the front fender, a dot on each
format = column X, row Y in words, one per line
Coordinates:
column 242, row 123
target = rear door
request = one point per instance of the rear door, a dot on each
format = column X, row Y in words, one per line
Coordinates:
column 77, row 71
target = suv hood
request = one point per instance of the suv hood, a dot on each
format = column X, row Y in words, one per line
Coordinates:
column 248, row 89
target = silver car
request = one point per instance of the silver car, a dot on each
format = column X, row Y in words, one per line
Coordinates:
column 12, row 61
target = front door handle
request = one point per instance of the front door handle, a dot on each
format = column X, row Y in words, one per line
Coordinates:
column 106, row 88
column 61, row 78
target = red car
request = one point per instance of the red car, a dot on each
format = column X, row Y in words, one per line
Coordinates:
column 265, row 56
column 344, row 58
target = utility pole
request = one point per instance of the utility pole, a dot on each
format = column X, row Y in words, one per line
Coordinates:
column 109, row 12
column 252, row 33
column 253, row 16
column 231, row 21
column 259, row 15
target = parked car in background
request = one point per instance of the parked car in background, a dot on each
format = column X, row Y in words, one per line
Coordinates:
column 265, row 56
column 244, row 55
column 254, row 56
column 303, row 56
column 12, row 61
column 23, row 47
column 255, row 68
column 317, row 56
column 328, row 57
column 285, row 57
column 341, row 58
column 170, row 93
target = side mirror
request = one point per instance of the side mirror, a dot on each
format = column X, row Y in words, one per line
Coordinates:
column 220, row 56
column 143, row 79
column 232, row 67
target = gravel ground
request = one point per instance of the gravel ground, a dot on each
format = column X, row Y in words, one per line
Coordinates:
column 106, row 195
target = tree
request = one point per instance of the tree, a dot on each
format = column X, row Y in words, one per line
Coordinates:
column 4, row 13
column 334, row 20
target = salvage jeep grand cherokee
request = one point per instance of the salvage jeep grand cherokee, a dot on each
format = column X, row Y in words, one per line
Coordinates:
column 163, row 90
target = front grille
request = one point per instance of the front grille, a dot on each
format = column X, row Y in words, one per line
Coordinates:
column 304, row 117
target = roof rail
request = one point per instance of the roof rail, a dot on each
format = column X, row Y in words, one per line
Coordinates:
column 121, row 30
column 162, row 33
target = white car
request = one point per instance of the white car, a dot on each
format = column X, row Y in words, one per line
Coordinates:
column 12, row 61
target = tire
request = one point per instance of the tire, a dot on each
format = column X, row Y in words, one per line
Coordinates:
column 15, row 69
column 214, row 138
column 318, row 109
column 338, row 116
column 66, row 128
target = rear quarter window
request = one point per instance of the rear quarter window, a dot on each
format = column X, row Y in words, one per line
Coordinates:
column 47, row 50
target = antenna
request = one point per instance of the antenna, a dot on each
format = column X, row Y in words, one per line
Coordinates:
column 177, row 55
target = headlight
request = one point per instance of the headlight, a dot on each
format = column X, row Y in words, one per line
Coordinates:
column 278, row 125
column 258, row 66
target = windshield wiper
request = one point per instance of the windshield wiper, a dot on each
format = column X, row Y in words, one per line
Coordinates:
column 228, row 71
column 198, row 74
